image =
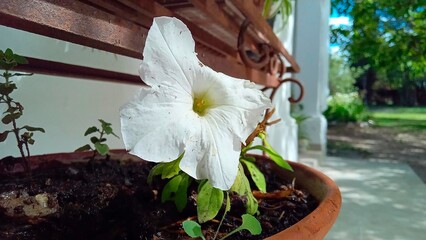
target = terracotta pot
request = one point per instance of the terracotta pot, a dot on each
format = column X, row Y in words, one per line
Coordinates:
column 316, row 225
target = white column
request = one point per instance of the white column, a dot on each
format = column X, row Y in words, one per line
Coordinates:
column 283, row 135
column 311, row 52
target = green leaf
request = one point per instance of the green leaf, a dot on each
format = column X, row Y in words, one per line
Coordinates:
column 193, row 229
column 106, row 127
column 94, row 140
column 3, row 136
column 91, row 130
column 256, row 175
column 108, row 130
column 242, row 187
column 252, row 205
column 240, row 183
column 250, row 159
column 102, row 149
column 181, row 197
column 10, row 117
column 12, row 110
column 33, row 129
column 8, row 54
column 250, row 223
column 7, row 65
column 209, row 202
column 171, row 188
column 200, row 184
column 275, row 157
column 20, row 59
column 155, row 171
column 83, row 148
column 166, row 170
column 31, row 141
column 102, row 140
column 104, row 124
column 115, row 135
column 7, row 88
column 171, row 168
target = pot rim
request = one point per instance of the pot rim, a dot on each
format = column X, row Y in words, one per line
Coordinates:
column 315, row 225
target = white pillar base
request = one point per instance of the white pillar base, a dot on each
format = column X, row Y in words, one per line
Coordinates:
column 283, row 138
column 316, row 127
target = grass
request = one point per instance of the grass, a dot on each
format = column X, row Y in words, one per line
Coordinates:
column 403, row 118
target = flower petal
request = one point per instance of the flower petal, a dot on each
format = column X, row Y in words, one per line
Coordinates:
column 152, row 126
column 169, row 55
column 237, row 102
column 212, row 153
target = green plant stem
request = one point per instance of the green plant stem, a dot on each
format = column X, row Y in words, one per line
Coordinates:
column 220, row 224
column 95, row 152
column 24, row 160
column 27, row 148
column 232, row 232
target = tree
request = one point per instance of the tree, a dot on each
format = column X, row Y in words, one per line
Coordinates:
column 342, row 77
column 388, row 38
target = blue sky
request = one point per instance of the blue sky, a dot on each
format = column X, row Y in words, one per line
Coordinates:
column 336, row 21
column 339, row 20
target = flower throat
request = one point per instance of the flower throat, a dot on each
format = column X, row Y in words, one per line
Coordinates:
column 201, row 104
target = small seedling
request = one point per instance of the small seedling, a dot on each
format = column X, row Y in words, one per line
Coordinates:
column 98, row 142
column 14, row 110
column 250, row 223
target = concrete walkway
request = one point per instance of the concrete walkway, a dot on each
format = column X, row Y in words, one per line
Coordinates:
column 380, row 200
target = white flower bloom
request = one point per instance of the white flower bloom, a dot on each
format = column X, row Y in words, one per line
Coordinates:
column 189, row 108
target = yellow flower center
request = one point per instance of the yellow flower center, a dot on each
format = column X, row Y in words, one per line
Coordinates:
column 201, row 104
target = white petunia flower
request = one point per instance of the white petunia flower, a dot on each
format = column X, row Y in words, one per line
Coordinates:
column 189, row 108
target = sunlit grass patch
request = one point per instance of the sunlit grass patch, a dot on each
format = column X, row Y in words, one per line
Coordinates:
column 404, row 118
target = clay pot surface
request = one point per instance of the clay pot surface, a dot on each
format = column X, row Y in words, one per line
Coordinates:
column 317, row 224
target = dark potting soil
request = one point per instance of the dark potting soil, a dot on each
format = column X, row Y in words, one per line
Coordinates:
column 110, row 199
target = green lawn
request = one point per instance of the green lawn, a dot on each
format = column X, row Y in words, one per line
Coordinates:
column 404, row 118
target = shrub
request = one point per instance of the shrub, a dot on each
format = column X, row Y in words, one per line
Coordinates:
column 346, row 107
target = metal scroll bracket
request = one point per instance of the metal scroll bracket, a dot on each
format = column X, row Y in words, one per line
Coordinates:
column 267, row 59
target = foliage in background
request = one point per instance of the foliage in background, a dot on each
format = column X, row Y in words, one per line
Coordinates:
column 14, row 110
column 346, row 107
column 387, row 36
column 345, row 104
column 272, row 7
column 98, row 142
column 342, row 77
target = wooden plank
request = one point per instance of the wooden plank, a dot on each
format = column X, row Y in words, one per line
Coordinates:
column 153, row 9
column 122, row 11
column 75, row 22
column 216, row 13
column 83, row 24
column 41, row 66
